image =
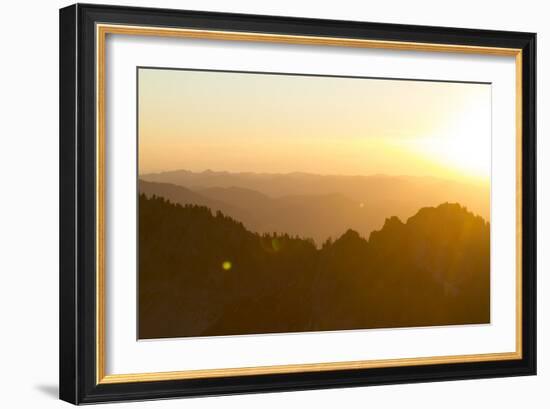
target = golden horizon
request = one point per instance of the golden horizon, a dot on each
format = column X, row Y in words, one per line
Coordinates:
column 283, row 123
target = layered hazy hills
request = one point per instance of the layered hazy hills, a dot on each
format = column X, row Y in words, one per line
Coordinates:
column 309, row 205
column 202, row 273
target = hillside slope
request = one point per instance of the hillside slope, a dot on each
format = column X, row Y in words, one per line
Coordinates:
column 204, row 274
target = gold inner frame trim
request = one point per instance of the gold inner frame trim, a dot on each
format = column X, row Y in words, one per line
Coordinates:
column 101, row 33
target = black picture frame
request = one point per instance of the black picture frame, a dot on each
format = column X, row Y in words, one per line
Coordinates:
column 78, row 360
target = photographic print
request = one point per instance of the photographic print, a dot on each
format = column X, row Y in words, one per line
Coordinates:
column 277, row 203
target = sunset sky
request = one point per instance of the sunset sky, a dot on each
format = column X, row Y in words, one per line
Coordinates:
column 235, row 122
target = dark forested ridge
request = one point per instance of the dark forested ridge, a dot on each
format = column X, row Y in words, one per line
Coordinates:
column 205, row 274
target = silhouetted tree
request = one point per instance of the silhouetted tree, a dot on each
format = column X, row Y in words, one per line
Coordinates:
column 202, row 274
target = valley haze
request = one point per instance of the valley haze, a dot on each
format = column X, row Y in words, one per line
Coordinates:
column 310, row 205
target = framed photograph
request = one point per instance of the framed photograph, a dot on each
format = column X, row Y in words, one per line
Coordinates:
column 256, row 203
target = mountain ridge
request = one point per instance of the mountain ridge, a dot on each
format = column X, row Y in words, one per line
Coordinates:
column 319, row 213
column 400, row 195
column 202, row 273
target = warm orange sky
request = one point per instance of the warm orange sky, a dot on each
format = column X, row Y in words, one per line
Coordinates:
column 199, row 120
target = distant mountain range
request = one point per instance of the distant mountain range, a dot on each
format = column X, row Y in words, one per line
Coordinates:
column 309, row 205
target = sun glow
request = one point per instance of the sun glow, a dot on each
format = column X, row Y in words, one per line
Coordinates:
column 456, row 158
column 462, row 144
column 321, row 125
